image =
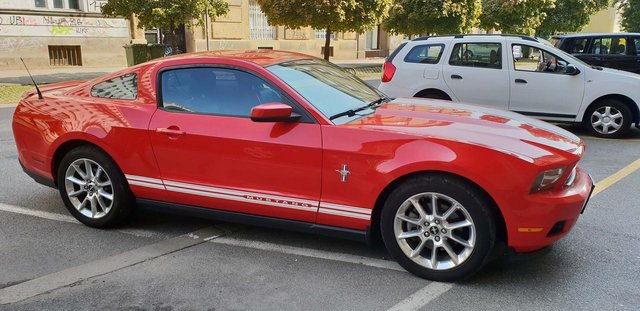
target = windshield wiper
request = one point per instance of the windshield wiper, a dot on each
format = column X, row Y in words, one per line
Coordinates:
column 352, row 112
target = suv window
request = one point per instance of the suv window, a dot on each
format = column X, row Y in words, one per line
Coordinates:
column 210, row 90
column 579, row 45
column 537, row 60
column 123, row 87
column 483, row 55
column 609, row 45
column 425, row 54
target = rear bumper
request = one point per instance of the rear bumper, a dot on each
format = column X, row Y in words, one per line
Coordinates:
column 39, row 178
column 547, row 217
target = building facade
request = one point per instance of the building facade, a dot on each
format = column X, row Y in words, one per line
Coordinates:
column 52, row 33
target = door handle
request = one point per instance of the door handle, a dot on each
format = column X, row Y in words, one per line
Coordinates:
column 171, row 131
column 521, row 81
column 457, row 77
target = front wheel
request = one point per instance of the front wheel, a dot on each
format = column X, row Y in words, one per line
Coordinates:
column 93, row 188
column 438, row 227
column 608, row 118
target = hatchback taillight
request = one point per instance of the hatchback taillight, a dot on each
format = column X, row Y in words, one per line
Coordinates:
column 388, row 70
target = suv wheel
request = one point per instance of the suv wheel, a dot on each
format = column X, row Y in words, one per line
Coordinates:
column 438, row 227
column 608, row 118
column 93, row 188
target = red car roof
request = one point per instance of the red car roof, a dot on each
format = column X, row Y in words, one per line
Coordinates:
column 260, row 57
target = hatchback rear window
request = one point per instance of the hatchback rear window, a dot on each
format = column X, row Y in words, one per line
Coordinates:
column 425, row 54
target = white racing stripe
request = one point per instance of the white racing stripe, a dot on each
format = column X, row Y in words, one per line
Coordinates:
column 344, row 214
column 352, row 209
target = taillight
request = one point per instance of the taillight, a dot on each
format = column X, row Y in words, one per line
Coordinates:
column 388, row 70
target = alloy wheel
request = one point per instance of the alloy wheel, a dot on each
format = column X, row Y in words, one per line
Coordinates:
column 89, row 188
column 435, row 231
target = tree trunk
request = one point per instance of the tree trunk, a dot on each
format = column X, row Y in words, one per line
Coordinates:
column 174, row 42
column 327, row 44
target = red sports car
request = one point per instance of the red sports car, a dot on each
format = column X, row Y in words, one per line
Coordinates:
column 289, row 141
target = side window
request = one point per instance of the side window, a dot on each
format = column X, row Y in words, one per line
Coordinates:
column 425, row 54
column 533, row 59
column 220, row 91
column 610, row 46
column 483, row 55
column 123, row 87
column 636, row 41
column 579, row 45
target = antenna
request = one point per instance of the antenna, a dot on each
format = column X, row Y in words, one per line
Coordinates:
column 32, row 80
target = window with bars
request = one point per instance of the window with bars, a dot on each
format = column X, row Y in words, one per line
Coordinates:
column 322, row 33
column 259, row 28
column 65, row 55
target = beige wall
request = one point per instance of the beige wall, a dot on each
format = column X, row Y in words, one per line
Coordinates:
column 607, row 20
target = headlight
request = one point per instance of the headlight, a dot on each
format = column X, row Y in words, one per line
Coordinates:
column 547, row 179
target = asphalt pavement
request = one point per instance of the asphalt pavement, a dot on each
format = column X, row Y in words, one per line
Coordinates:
column 161, row 262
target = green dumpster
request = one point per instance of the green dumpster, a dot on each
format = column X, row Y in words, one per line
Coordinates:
column 156, row 50
column 136, row 54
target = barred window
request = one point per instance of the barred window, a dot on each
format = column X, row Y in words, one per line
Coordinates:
column 123, row 87
column 259, row 28
column 321, row 34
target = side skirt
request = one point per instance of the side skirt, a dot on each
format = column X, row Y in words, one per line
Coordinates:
column 261, row 221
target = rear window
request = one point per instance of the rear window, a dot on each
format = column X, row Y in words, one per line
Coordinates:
column 122, row 87
column 555, row 42
column 425, row 54
column 397, row 50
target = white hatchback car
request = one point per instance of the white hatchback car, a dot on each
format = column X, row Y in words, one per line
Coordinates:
column 517, row 73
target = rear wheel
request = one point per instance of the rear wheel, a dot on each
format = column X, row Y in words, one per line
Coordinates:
column 608, row 118
column 438, row 227
column 93, row 188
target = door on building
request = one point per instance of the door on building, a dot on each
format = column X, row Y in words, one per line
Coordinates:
column 181, row 41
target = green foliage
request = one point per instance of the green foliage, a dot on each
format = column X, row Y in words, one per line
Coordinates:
column 414, row 17
column 630, row 15
column 166, row 14
column 569, row 16
column 514, row 16
column 333, row 15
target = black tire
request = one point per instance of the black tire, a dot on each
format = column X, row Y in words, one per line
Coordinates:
column 478, row 207
column 601, row 104
column 123, row 200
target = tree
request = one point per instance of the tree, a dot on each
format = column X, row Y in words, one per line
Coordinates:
column 569, row 16
column 166, row 14
column 630, row 15
column 414, row 17
column 331, row 15
column 514, row 16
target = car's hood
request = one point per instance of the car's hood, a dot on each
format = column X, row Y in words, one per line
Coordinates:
column 618, row 73
column 501, row 130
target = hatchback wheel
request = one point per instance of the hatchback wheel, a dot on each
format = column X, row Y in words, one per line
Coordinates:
column 93, row 188
column 608, row 118
column 438, row 227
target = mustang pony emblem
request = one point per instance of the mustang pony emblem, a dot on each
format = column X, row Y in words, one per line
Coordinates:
column 343, row 173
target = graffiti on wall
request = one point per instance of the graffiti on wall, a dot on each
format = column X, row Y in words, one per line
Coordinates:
column 16, row 44
column 46, row 26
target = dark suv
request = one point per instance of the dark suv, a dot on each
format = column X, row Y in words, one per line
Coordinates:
column 614, row 50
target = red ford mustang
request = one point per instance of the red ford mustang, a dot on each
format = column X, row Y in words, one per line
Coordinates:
column 289, row 141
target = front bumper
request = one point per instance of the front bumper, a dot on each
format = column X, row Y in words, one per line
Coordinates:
column 544, row 218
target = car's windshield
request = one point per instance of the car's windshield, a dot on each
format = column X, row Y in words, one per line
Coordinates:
column 328, row 88
column 561, row 53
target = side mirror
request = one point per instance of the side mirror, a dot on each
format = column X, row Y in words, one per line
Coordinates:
column 273, row 112
column 571, row 70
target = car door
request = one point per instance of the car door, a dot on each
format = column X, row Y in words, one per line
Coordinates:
column 211, row 154
column 541, row 87
column 613, row 52
column 475, row 73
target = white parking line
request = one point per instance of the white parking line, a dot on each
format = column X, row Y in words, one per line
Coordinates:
column 422, row 297
column 47, row 283
column 308, row 252
column 64, row 218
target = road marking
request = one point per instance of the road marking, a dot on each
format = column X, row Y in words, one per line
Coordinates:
column 313, row 253
column 47, row 283
column 422, row 297
column 64, row 218
column 616, row 177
